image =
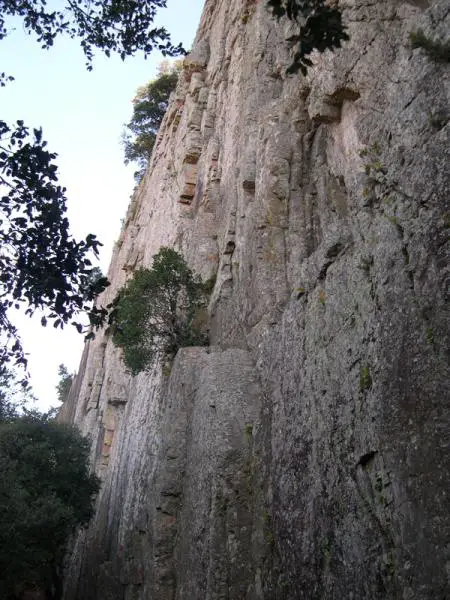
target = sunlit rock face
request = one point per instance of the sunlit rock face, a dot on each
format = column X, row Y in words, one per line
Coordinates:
column 303, row 454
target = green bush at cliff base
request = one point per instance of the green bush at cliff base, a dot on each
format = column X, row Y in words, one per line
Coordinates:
column 158, row 311
column 46, row 492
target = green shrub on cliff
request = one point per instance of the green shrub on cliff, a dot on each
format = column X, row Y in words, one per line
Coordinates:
column 159, row 310
column 46, row 492
column 64, row 383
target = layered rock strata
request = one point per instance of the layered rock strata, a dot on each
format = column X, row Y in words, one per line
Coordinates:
column 303, row 454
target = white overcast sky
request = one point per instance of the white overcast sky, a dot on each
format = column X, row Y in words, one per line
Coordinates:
column 82, row 114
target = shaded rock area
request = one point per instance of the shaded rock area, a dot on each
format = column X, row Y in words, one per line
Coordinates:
column 150, row 536
column 304, row 455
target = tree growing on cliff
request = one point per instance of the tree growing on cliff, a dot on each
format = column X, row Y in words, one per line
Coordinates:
column 320, row 28
column 149, row 107
column 43, row 267
column 64, row 383
column 158, row 311
column 46, row 492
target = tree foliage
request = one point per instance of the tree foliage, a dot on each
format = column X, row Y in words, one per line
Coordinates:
column 122, row 27
column 149, row 107
column 64, row 383
column 15, row 395
column 42, row 266
column 320, row 28
column 156, row 311
column 91, row 283
column 46, row 491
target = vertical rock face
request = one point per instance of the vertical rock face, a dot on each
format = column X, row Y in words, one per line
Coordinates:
column 302, row 455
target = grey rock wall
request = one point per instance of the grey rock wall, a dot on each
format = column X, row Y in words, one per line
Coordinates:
column 305, row 454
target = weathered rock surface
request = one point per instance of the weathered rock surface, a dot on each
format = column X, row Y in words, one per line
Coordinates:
column 182, row 453
column 305, row 454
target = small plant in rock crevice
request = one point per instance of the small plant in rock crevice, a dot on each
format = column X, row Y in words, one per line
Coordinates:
column 166, row 369
column 268, row 529
column 380, row 185
column 436, row 50
column 158, row 311
column 373, row 168
column 326, row 548
column 365, row 378
column 249, row 11
column 209, row 284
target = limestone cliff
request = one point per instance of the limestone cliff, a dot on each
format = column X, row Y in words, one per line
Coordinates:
column 303, row 454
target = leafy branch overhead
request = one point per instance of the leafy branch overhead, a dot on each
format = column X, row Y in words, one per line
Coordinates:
column 42, row 266
column 320, row 28
column 122, row 27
